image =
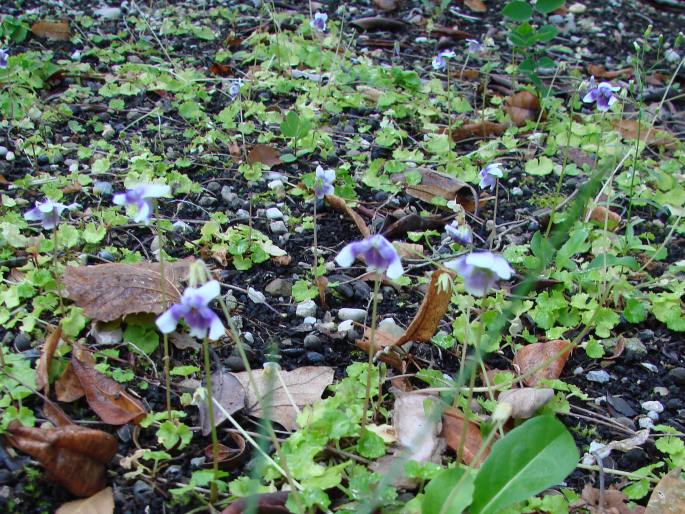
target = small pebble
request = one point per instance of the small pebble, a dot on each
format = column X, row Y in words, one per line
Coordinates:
column 653, row 406
column 654, row 416
column 273, row 213
column 516, row 191
column 9, row 156
column 306, row 308
column 346, row 326
column 649, row 366
column 278, row 227
column 313, row 342
column 235, row 363
column 599, row 376
column 248, row 337
column 309, row 320
column 677, row 376
column 315, row 358
column 3, row 151
column 661, row 391
column 22, row 342
column 645, row 422
column 351, row 314
column 197, row 462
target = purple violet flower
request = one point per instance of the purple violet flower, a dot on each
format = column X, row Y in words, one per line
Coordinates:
column 378, row 253
column 141, row 196
column 602, row 95
column 460, row 233
column 480, row 271
column 234, row 89
column 319, row 22
column 323, row 182
column 473, row 47
column 440, row 60
column 4, row 58
column 48, row 213
column 194, row 308
column 490, row 174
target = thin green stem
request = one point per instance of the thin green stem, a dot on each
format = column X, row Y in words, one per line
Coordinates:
column 214, row 492
column 165, row 305
column 372, row 346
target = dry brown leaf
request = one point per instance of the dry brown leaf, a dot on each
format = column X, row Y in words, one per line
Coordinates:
column 600, row 72
column 382, row 340
column 668, row 496
column 452, row 33
column 230, row 457
column 654, row 137
column 522, row 107
column 433, row 308
column 107, row 398
column 434, row 184
column 305, row 385
column 525, row 402
column 227, row 390
column 533, row 355
column 73, row 456
column 55, row 414
column 379, row 23
column 476, row 5
column 99, row 503
column 408, row 250
column 600, row 213
column 415, row 429
column 110, row 291
column 452, row 430
column 615, row 502
column 49, row 347
column 265, row 154
column 371, row 93
column 221, row 70
column 411, row 223
column 57, row 30
column 339, row 204
column 67, row 387
column 386, row 5
column 267, row 503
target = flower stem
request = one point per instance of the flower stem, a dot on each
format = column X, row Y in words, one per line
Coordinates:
column 372, row 346
column 210, row 409
column 55, row 274
column 165, row 305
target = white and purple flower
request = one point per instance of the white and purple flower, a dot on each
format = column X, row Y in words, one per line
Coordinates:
column 602, row 95
column 234, row 89
column 480, row 271
column 323, row 182
column 474, row 47
column 141, row 196
column 194, row 308
column 4, row 58
column 319, row 22
column 459, row 233
column 490, row 175
column 48, row 213
column 378, row 253
column 440, row 60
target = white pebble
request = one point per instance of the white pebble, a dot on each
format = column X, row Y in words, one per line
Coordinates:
column 654, row 406
column 645, row 422
column 600, row 376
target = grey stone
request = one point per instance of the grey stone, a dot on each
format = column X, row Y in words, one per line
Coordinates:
column 197, row 462
column 306, row 308
column 235, row 363
column 516, row 191
column 635, row 349
column 22, row 342
column 3, row 151
column 207, row 201
column 351, row 314
column 677, row 376
column 229, row 196
column 279, row 287
column 274, row 213
column 108, row 13
column 174, row 471
column 599, row 376
column 278, row 227
column 312, row 342
column 653, row 406
column 315, row 358
column 142, row 489
column 214, row 187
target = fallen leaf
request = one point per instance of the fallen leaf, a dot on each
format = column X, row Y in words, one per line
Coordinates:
column 379, row 23
column 432, row 309
column 229, row 457
column 578, row 157
column 453, row 33
column 305, row 386
column 55, row 414
column 522, row 106
column 267, row 503
column 110, row 291
column 416, row 429
column 624, row 445
column 600, row 72
column 408, row 250
column 615, row 502
column 386, row 5
column 183, row 341
column 339, row 204
column 600, row 213
column 227, row 390
column 369, row 92
column 221, row 70
column 49, row 347
column 652, row 137
column 57, row 30
column 434, row 184
column 265, row 154
column 477, row 129
column 107, row 398
column 476, row 5
column 452, row 430
column 67, row 387
column 668, row 496
column 525, row 402
column 382, row 340
column 533, row 355
column 99, row 503
column 412, row 223
column 73, row 456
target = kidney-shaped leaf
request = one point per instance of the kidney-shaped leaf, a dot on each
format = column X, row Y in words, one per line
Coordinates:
column 73, row 456
column 110, row 291
column 538, row 454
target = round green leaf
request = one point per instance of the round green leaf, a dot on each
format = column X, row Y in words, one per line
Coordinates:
column 518, row 10
column 538, row 454
column 540, row 167
column 546, row 6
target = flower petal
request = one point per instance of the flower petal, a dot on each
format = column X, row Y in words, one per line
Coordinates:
column 119, row 199
column 216, row 328
column 591, row 96
column 347, row 255
column 33, row 214
column 154, row 190
column 395, row 270
column 144, row 212
column 209, row 291
column 167, row 322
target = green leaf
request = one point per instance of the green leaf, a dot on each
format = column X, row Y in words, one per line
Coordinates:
column 303, row 290
column 538, row 454
column 611, row 260
column 144, row 337
column 540, row 167
column 450, row 492
column 295, row 127
column 517, row 11
column 370, row 445
column 190, row 110
column 101, row 165
column 74, row 322
column 93, row 233
column 635, row 311
column 546, row 33
column 547, row 6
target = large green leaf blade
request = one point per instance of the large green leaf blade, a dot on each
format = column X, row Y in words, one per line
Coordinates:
column 529, row 459
column 449, row 492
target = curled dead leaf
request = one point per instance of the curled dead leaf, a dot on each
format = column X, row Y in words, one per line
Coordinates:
column 110, row 291
column 383, row 341
column 67, row 387
column 230, row 457
column 265, row 154
column 339, row 204
column 668, row 496
column 477, row 129
column 57, row 30
column 267, row 503
column 614, row 502
column 378, row 23
column 452, row 430
column 49, row 347
column 476, row 5
column 522, row 107
column 107, row 398
column 600, row 214
column 434, row 184
column 411, row 223
column 99, row 503
column 600, row 72
column 631, row 130
column 227, row 390
column 73, row 456
column 534, row 355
